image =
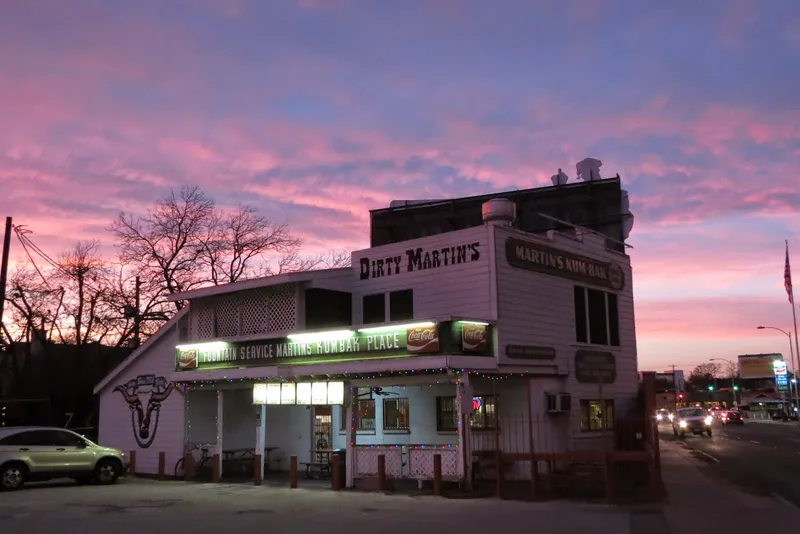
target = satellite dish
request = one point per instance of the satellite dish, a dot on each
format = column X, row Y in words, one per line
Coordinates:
column 626, row 203
column 560, row 178
column 589, row 169
column 627, row 225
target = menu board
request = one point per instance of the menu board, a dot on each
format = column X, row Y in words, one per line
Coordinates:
column 288, row 393
column 273, row 394
column 259, row 394
column 303, row 395
column 319, row 393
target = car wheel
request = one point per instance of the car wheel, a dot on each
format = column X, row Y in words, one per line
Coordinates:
column 12, row 476
column 107, row 471
column 709, row 432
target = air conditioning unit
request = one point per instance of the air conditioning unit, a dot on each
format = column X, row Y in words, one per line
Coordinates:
column 558, row 402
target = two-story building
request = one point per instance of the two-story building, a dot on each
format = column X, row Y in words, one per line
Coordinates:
column 451, row 344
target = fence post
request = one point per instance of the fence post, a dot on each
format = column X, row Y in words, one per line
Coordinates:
column 162, row 464
column 437, row 474
column 188, row 466
column 381, row 472
column 608, row 468
column 498, row 459
column 293, row 472
column 216, row 476
column 336, row 472
column 133, row 462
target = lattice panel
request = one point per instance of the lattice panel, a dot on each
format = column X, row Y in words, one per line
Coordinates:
column 367, row 461
column 420, row 462
column 203, row 321
column 253, row 309
column 227, row 316
column 282, row 308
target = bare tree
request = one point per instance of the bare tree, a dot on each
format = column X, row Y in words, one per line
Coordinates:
column 83, row 274
column 706, row 371
column 235, row 243
column 165, row 243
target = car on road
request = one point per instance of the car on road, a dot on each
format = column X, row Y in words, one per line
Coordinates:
column 695, row 420
column 731, row 417
column 663, row 415
column 35, row 454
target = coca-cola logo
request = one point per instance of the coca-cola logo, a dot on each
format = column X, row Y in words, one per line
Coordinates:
column 473, row 337
column 422, row 339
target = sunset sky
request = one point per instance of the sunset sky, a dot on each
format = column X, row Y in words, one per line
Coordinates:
column 319, row 110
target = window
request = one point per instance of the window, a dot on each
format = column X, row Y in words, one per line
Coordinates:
column 596, row 317
column 365, row 415
column 343, row 422
column 396, row 415
column 401, row 305
column 593, row 418
column 373, row 308
column 484, row 413
column 68, row 439
column 446, row 414
column 483, row 417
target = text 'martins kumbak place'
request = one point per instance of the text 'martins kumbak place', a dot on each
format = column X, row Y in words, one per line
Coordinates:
column 465, row 319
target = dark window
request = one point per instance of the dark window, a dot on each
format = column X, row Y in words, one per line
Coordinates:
column 581, row 328
column 374, row 308
column 484, row 413
column 596, row 317
column 598, row 320
column 401, row 305
column 593, row 418
column 68, row 439
column 343, row 422
column 446, row 414
column 23, row 438
column 35, row 438
column 396, row 414
column 613, row 320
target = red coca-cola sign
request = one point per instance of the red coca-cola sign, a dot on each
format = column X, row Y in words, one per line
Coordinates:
column 422, row 339
column 473, row 337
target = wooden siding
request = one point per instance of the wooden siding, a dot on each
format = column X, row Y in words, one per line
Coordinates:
column 538, row 309
column 460, row 290
column 116, row 424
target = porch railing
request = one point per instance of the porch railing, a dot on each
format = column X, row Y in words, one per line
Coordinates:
column 406, row 461
column 420, row 461
column 367, row 460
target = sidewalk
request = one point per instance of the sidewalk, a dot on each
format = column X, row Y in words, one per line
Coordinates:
column 701, row 504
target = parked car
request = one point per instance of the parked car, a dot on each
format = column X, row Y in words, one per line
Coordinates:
column 35, row 454
column 731, row 417
column 663, row 415
column 695, row 420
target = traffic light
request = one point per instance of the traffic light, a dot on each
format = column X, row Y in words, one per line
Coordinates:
column 735, row 388
column 710, row 388
column 680, row 396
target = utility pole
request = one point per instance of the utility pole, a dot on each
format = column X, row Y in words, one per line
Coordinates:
column 674, row 389
column 137, row 319
column 4, row 270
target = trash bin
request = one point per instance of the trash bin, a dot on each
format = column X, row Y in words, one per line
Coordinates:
column 342, row 453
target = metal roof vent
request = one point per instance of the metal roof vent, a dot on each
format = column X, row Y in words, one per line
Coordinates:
column 499, row 212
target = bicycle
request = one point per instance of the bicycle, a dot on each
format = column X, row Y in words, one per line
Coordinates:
column 199, row 463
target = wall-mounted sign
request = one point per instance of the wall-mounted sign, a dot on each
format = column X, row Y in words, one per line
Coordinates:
column 552, row 261
column 301, row 393
column 757, row 365
column 419, row 259
column 530, row 352
column 341, row 346
column 473, row 337
column 595, row 367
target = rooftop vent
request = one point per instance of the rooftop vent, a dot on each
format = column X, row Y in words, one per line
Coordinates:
column 499, row 212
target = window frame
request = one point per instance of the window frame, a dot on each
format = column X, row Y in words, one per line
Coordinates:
column 407, row 315
column 372, row 320
column 490, row 422
column 583, row 317
column 443, row 416
column 493, row 423
column 608, row 415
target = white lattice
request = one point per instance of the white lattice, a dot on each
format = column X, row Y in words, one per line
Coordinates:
column 203, row 320
column 282, row 311
column 227, row 316
column 420, row 462
column 367, row 461
column 253, row 312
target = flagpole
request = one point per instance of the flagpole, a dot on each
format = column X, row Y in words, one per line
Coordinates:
column 794, row 317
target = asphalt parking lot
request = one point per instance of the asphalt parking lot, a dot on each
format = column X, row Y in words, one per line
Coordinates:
column 154, row 507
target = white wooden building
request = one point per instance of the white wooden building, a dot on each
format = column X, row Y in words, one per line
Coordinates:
column 422, row 347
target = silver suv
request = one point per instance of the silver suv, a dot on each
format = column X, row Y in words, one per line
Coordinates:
column 35, row 454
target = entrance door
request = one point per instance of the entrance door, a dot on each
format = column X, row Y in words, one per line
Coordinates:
column 322, row 432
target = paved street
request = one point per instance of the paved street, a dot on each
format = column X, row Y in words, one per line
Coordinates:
column 763, row 457
column 152, row 507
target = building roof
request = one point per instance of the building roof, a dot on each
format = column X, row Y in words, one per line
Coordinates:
column 255, row 283
column 152, row 340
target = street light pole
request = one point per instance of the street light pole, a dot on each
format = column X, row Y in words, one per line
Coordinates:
column 733, row 378
column 795, row 400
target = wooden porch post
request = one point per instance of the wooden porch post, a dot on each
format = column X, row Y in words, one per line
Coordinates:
column 350, row 462
column 258, row 461
column 216, row 467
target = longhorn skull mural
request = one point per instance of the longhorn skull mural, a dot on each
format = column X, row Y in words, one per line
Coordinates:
column 144, row 395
